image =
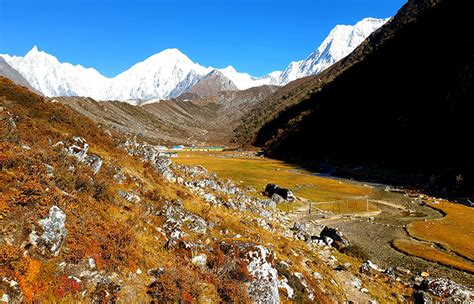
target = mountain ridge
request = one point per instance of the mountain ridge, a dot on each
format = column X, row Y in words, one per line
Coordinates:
column 406, row 112
column 164, row 75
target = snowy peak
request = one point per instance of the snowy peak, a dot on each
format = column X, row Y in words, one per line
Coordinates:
column 164, row 75
column 340, row 42
column 245, row 81
column 170, row 73
column 34, row 50
column 52, row 78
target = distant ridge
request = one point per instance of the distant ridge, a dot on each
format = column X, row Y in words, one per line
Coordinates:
column 170, row 73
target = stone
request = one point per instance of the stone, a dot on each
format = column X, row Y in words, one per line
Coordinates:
column 277, row 198
column 368, row 267
column 49, row 169
column 92, row 263
column 299, row 227
column 54, row 231
column 317, row 276
column 447, row 289
column 94, row 161
column 283, row 283
column 264, row 286
column 199, row 260
column 129, row 196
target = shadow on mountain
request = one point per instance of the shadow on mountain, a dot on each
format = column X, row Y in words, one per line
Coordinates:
column 398, row 109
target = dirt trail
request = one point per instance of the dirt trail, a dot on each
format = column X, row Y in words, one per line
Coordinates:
column 375, row 231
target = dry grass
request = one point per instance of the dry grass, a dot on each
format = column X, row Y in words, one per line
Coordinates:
column 258, row 172
column 122, row 236
column 427, row 252
column 455, row 231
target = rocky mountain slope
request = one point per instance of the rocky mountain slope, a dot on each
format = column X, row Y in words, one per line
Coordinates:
column 8, row 72
column 211, row 85
column 91, row 216
column 170, row 73
column 198, row 121
column 398, row 107
column 340, row 42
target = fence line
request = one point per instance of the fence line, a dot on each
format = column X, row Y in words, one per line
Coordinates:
column 338, row 203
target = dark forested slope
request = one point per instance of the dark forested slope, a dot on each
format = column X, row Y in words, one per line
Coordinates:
column 401, row 102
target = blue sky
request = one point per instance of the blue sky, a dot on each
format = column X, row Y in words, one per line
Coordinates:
column 256, row 36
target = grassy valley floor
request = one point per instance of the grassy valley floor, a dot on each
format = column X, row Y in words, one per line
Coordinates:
column 434, row 237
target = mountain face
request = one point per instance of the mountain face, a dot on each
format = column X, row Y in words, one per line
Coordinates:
column 53, row 78
column 7, row 71
column 397, row 109
column 163, row 75
column 340, row 42
column 170, row 73
column 212, row 84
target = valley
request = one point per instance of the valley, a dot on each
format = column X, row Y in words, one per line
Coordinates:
column 384, row 233
column 344, row 177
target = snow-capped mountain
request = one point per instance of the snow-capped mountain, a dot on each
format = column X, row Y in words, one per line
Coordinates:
column 52, row 78
column 170, row 73
column 163, row 75
column 340, row 42
column 244, row 81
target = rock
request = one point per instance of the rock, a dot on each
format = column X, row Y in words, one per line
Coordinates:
column 390, row 272
column 54, row 231
column 79, row 149
column 94, row 161
column 155, row 272
column 284, row 193
column 317, row 276
column 119, row 177
column 299, row 227
column 357, row 283
column 424, row 274
column 10, row 291
column 92, row 263
column 339, row 240
column 264, row 286
column 277, row 198
column 129, row 196
column 270, row 203
column 49, row 169
column 284, row 284
column 200, row 260
column 368, row 267
column 448, row 289
column 422, row 297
